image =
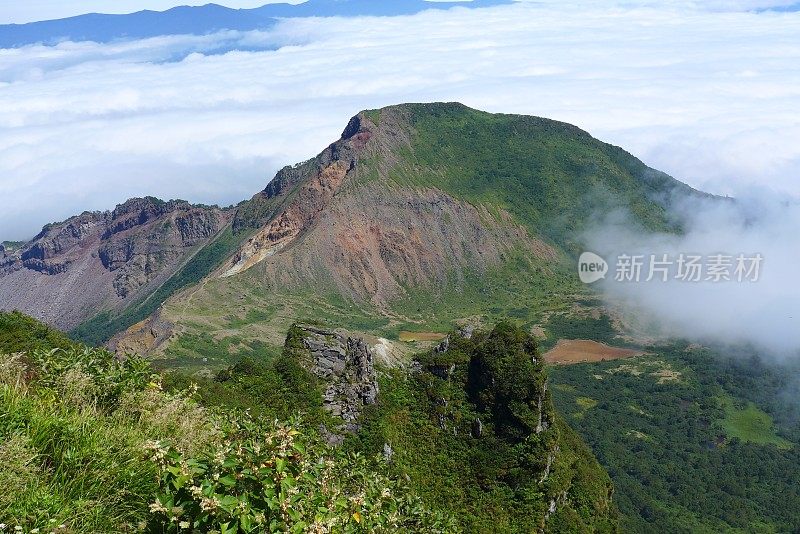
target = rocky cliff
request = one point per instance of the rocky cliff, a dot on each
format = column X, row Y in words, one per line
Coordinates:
column 345, row 368
column 100, row 261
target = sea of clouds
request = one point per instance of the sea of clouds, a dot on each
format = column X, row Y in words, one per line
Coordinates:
column 707, row 92
column 756, row 307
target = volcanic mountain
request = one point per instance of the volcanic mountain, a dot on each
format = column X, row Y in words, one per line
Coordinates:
column 420, row 216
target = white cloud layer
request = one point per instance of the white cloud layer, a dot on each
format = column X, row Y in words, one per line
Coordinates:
column 711, row 96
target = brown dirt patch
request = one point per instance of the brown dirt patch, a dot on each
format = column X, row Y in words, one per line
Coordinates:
column 421, row 336
column 571, row 351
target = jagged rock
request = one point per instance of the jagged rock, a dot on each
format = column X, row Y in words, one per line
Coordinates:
column 442, row 347
column 550, row 458
column 142, row 337
column 346, row 364
column 466, row 331
column 388, row 452
column 542, row 424
column 477, row 428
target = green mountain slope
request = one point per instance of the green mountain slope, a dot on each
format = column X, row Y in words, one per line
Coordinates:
column 90, row 443
column 471, row 425
column 419, row 217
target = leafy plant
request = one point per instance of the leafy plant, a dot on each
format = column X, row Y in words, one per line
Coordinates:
column 275, row 478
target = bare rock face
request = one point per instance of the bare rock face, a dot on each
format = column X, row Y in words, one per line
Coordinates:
column 346, row 366
column 141, row 337
column 346, row 224
column 99, row 261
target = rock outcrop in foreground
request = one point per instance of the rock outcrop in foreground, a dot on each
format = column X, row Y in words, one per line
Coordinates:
column 345, row 368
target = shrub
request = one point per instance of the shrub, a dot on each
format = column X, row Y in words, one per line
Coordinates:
column 275, row 478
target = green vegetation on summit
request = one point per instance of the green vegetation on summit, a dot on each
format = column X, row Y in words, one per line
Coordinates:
column 420, row 216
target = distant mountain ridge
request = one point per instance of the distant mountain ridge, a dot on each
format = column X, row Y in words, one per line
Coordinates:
column 100, row 261
column 205, row 19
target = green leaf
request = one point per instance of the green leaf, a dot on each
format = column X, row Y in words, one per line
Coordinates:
column 227, row 480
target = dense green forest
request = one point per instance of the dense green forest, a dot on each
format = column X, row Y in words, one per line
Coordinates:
column 695, row 440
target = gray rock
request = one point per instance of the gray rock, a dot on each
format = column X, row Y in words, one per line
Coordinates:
column 477, row 428
column 466, row 331
column 347, row 366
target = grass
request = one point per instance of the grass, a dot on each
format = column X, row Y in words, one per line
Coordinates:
column 747, row 422
column 73, row 467
column 103, row 326
column 73, row 432
column 569, row 327
column 20, row 333
column 89, row 443
column 194, row 351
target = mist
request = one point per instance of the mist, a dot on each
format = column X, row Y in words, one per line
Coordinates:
column 760, row 309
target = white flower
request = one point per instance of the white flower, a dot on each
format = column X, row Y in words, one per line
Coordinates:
column 184, row 524
column 157, row 507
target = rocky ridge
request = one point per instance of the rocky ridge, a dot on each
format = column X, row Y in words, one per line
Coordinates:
column 100, row 260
